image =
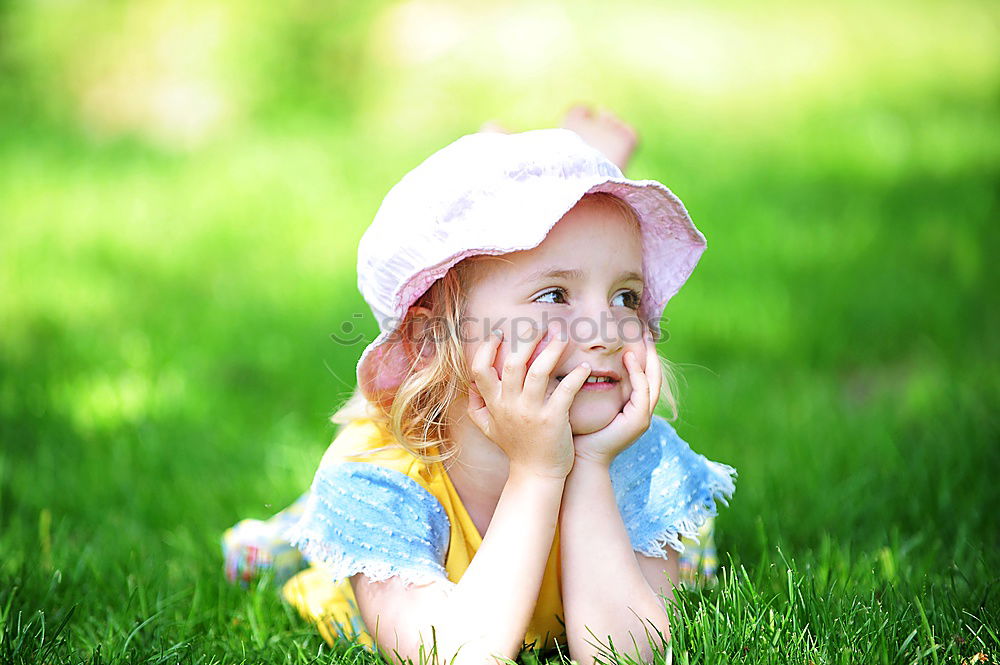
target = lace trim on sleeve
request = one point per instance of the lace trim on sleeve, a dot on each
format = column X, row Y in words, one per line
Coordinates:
column 365, row 518
column 666, row 491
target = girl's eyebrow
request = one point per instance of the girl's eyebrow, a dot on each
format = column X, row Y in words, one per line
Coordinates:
column 553, row 273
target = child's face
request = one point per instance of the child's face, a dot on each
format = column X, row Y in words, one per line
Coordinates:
column 597, row 305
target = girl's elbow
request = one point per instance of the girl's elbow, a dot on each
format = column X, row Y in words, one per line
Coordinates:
column 434, row 646
column 467, row 653
column 652, row 637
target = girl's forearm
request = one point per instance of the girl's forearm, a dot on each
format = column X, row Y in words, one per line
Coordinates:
column 490, row 608
column 602, row 584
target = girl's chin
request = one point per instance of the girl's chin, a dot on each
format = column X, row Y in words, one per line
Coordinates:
column 592, row 421
column 579, row 430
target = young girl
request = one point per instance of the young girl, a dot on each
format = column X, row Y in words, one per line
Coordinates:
column 501, row 478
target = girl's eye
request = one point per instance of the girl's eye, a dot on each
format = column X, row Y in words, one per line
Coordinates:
column 554, row 292
column 630, row 298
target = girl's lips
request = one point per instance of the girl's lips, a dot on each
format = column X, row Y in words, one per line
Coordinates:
column 598, row 386
column 596, row 374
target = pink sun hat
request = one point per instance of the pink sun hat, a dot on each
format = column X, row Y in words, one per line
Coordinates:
column 493, row 193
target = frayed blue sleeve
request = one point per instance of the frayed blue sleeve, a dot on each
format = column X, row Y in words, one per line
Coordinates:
column 365, row 518
column 665, row 490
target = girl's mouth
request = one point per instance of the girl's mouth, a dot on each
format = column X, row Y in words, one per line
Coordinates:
column 596, row 383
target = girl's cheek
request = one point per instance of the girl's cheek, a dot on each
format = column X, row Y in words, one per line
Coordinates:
column 632, row 330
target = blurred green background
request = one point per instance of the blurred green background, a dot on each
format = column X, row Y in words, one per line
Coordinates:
column 183, row 185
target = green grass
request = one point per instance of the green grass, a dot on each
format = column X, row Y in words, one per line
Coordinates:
column 166, row 367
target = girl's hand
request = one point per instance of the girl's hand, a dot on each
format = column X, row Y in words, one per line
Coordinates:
column 604, row 445
column 512, row 411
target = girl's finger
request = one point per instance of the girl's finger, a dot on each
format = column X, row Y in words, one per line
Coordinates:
column 484, row 375
column 478, row 413
column 512, row 380
column 476, row 400
column 640, row 386
column 536, row 381
column 564, row 394
column 654, row 371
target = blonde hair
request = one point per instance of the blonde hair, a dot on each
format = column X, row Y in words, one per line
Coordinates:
column 417, row 413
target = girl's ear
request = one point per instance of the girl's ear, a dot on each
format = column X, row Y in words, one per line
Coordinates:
column 418, row 337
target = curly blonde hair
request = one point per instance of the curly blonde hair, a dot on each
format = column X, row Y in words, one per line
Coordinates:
column 417, row 413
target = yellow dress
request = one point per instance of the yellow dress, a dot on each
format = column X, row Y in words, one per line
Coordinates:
column 332, row 605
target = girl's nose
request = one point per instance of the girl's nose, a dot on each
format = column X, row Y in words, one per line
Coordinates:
column 598, row 329
column 606, row 337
